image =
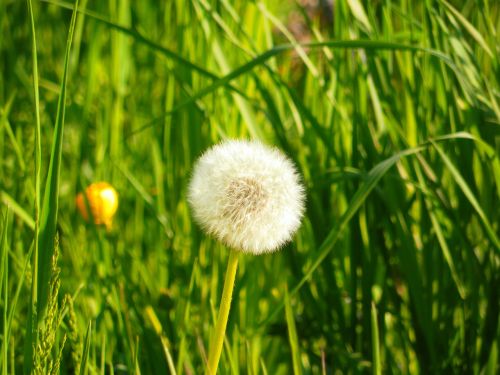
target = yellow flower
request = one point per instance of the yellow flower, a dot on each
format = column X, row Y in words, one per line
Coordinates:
column 102, row 199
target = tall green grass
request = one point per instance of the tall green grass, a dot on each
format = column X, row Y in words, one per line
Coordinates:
column 391, row 112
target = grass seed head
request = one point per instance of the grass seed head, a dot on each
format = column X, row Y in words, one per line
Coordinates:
column 247, row 195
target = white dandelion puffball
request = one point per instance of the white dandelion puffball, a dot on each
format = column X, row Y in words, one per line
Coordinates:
column 247, row 195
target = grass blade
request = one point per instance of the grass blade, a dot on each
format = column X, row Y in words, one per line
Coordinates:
column 18, row 291
column 441, row 239
column 469, row 27
column 4, row 284
column 31, row 321
column 470, row 196
column 86, row 350
column 359, row 13
column 262, row 58
column 139, row 38
column 446, row 251
column 372, row 178
column 292, row 335
column 376, row 364
column 50, row 206
column 157, row 327
column 492, row 365
column 17, row 209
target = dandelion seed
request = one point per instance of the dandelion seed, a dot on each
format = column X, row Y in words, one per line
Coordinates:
column 102, row 199
column 247, row 195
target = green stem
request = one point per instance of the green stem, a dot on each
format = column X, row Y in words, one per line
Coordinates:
column 225, row 304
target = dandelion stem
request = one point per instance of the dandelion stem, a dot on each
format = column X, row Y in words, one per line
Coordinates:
column 225, row 304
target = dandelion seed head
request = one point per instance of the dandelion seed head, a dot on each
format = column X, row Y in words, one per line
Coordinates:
column 247, row 195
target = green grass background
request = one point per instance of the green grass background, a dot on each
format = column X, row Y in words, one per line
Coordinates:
column 392, row 115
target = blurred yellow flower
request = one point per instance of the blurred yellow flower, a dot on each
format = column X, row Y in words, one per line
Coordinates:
column 102, row 199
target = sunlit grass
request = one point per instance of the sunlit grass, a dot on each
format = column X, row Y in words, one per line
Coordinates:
column 389, row 109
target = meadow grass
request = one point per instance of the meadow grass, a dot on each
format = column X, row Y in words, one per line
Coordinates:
column 389, row 109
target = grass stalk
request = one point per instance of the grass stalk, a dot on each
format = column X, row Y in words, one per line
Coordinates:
column 376, row 364
column 220, row 327
column 31, row 337
column 50, row 205
column 4, row 290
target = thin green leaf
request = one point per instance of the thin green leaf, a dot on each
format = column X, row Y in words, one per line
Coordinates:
column 18, row 291
column 359, row 13
column 441, row 238
column 469, row 27
column 446, row 251
column 134, row 34
column 136, row 184
column 261, row 59
column 4, row 290
column 4, row 123
column 372, row 178
column 376, row 365
column 50, row 206
column 86, row 350
column 31, row 321
column 492, row 364
column 292, row 335
column 470, row 196
column 17, row 209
